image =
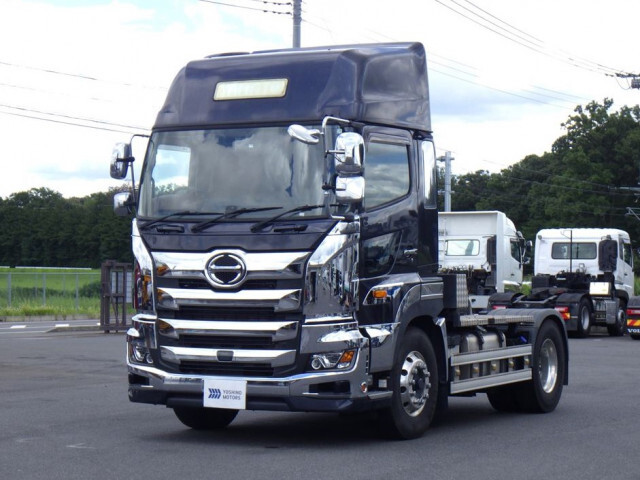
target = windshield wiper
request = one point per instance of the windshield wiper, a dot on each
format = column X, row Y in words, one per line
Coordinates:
column 304, row 208
column 182, row 213
column 233, row 213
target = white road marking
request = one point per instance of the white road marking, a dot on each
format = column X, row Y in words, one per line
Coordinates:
column 18, row 326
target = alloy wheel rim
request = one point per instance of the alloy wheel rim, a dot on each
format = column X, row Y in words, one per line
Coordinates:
column 414, row 383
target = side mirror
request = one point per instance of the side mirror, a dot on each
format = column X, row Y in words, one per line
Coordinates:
column 304, row 134
column 526, row 255
column 349, row 154
column 123, row 203
column 120, row 160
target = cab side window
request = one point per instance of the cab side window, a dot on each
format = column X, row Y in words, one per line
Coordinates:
column 515, row 251
column 627, row 255
column 386, row 173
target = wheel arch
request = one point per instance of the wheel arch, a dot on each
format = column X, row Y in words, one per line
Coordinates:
column 623, row 295
column 553, row 317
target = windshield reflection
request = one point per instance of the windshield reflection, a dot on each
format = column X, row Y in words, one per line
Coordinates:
column 231, row 169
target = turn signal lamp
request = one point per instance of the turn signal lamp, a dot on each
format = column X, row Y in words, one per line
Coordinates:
column 564, row 312
column 166, row 329
column 161, row 269
column 142, row 287
column 166, row 300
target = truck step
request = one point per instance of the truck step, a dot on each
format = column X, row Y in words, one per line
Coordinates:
column 475, row 320
column 467, row 358
column 475, row 384
column 489, row 368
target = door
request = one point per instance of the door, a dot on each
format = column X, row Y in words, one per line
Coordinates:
column 389, row 235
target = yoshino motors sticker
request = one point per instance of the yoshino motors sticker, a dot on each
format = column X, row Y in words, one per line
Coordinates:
column 222, row 393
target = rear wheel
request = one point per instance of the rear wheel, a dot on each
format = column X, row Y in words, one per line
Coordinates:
column 542, row 393
column 205, row 418
column 584, row 318
column 503, row 399
column 618, row 328
column 414, row 383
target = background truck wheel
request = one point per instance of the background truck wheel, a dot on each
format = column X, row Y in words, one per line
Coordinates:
column 618, row 328
column 542, row 393
column 205, row 418
column 414, row 382
column 584, row 318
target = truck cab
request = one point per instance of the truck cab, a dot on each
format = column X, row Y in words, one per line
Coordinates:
column 592, row 251
column 487, row 248
column 586, row 274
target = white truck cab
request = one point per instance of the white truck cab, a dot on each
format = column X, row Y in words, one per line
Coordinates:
column 487, row 247
column 592, row 251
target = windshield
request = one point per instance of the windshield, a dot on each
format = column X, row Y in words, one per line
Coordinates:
column 220, row 171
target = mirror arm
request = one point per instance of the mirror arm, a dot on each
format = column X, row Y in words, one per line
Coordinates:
column 131, row 159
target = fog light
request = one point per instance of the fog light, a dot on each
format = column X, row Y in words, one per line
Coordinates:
column 339, row 360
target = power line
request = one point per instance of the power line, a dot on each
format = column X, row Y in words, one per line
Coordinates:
column 78, row 75
column 459, row 68
column 246, row 8
column 531, row 43
column 100, row 125
column 65, row 123
column 506, row 92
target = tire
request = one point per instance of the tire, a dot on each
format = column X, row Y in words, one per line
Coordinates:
column 635, row 337
column 414, row 383
column 205, row 418
column 542, row 393
column 618, row 329
column 504, row 399
column 585, row 317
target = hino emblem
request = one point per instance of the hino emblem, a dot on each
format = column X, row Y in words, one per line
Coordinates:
column 226, row 270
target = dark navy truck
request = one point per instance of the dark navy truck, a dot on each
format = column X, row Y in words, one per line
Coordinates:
column 285, row 240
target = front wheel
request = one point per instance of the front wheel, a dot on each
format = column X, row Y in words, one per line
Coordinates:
column 542, row 393
column 618, row 328
column 414, row 383
column 205, row 418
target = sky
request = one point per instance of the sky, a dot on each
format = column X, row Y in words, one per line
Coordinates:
column 78, row 76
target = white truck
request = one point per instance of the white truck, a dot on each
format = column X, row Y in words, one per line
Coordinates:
column 586, row 274
column 487, row 248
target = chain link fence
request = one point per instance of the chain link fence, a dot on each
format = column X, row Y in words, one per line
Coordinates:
column 65, row 291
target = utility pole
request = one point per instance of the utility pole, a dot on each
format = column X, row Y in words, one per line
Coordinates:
column 297, row 20
column 447, row 159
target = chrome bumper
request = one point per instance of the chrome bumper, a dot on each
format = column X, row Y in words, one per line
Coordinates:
column 321, row 390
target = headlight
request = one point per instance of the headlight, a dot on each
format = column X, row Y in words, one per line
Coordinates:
column 333, row 360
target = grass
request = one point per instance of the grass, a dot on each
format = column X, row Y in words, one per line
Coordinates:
column 47, row 291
